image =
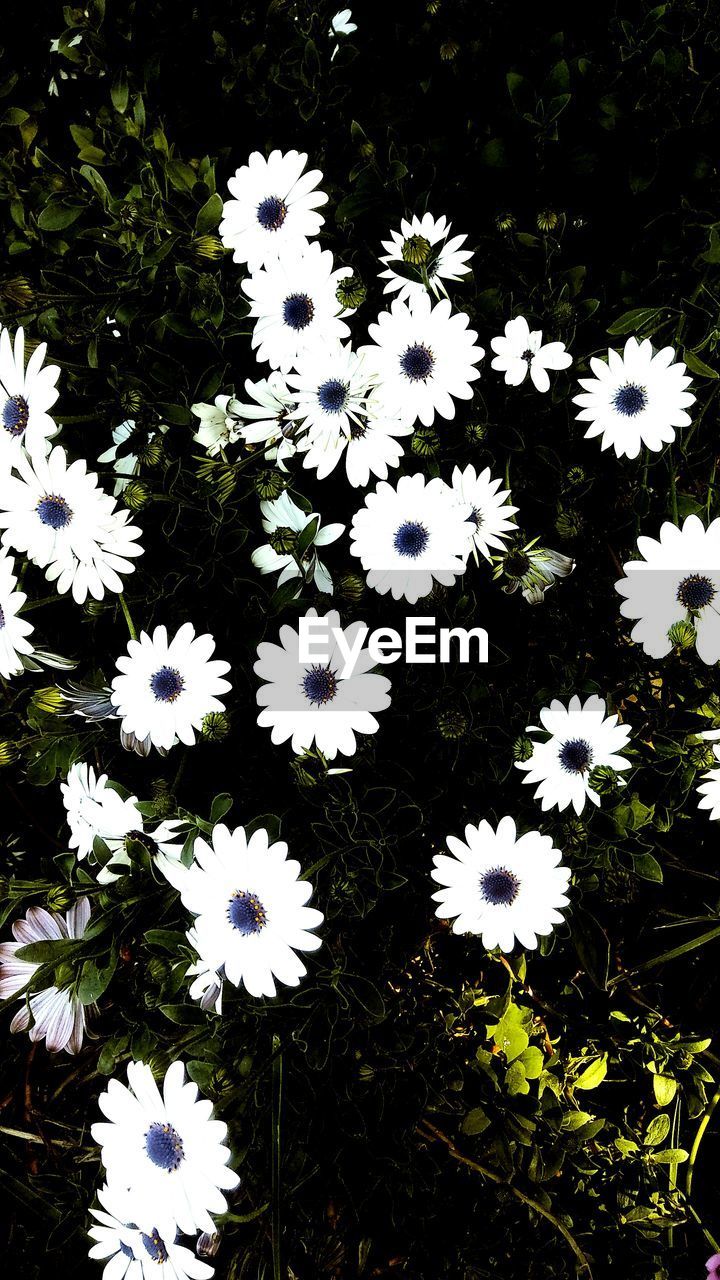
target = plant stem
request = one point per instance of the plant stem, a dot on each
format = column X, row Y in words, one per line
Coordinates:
column 277, row 1086
column 456, row 1154
column 702, row 1126
column 128, row 619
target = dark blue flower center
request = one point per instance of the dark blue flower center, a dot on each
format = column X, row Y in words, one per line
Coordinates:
column 417, row 362
column 246, row 913
column 2, row 617
column 167, row 684
column 320, row 685
column 155, row 1246
column 696, row 592
column 164, row 1146
column 630, row 400
column 54, row 511
column 332, row 395
column 126, row 1250
column 298, row 311
column 576, row 755
column 411, row 539
column 499, row 886
column 271, row 213
column 15, row 415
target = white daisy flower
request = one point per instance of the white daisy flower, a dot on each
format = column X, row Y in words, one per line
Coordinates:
column 26, row 395
column 582, row 738
column 124, row 464
column 132, row 1254
column 532, row 568
column 342, row 24
column 167, row 1150
column 294, row 304
column 218, row 428
column 250, row 909
column 269, row 421
column 372, row 447
column 424, row 357
column 94, row 808
column 67, row 526
column 14, row 630
column 207, row 983
column 677, row 580
column 167, row 687
column 521, row 352
column 330, row 387
column 635, row 399
column 409, row 537
column 490, row 512
column 709, row 788
column 314, row 702
column 57, row 1015
column 273, row 209
column 501, row 886
column 423, row 244
column 284, row 522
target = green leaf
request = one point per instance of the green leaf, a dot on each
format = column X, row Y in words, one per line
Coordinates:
column 210, row 215
column 698, row 366
column 670, row 1155
column 119, row 92
column 592, row 945
column 57, row 216
column 97, row 183
column 167, row 939
column 664, row 1088
column 640, row 318
column 96, row 978
column 476, row 1121
column 647, row 867
column 48, row 952
column 657, row 1130
column 184, row 1015
column 593, row 1075
column 220, row 806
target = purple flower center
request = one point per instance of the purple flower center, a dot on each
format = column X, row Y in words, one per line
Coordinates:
column 298, row 311
column 499, row 886
column 411, row 539
column 271, row 213
column 695, row 592
column 164, row 1146
column 320, row 685
column 417, row 363
column 167, row 684
column 246, row 913
column 630, row 400
column 15, row 415
column 54, row 511
column 575, row 756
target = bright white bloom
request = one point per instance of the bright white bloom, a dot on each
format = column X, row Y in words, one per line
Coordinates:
column 94, row 808
column 424, row 357
column 66, row 525
column 207, row 983
column 218, row 427
column 284, row 522
column 709, row 789
column 273, row 209
column 330, row 388
column 533, row 569
column 372, row 447
column 635, row 399
column 57, row 1015
column 14, row 630
column 26, row 395
column 167, row 1150
column 424, row 245
column 268, row 421
column 132, row 1254
column 125, row 463
column 582, row 738
column 491, row 514
column 500, row 885
column 294, row 304
column 315, row 702
column 251, row 909
column 521, row 351
column 677, row 580
column 341, row 24
column 167, row 687
column 412, row 536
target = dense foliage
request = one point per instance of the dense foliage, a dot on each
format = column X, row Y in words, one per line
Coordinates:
column 444, row 1111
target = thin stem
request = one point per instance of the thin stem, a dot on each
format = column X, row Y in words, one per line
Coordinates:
column 128, row 619
column 277, row 1086
column 673, row 488
column 520, row 1195
column 699, row 1135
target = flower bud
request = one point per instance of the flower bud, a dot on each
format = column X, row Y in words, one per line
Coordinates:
column 136, row 495
column 215, row 726
column 209, row 247
column 452, row 724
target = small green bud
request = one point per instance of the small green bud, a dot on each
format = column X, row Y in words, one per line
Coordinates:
column 603, row 780
column 416, row 250
column 425, row 442
column 60, row 897
column 452, row 724
column 269, row 485
column 506, row 221
column 350, row 587
column 283, row 540
column 209, row 247
column 569, row 523
column 682, row 635
column 215, row 726
column 351, row 292
column 49, row 700
column 523, row 747
column 8, row 753
column 547, row 220
column 136, row 495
